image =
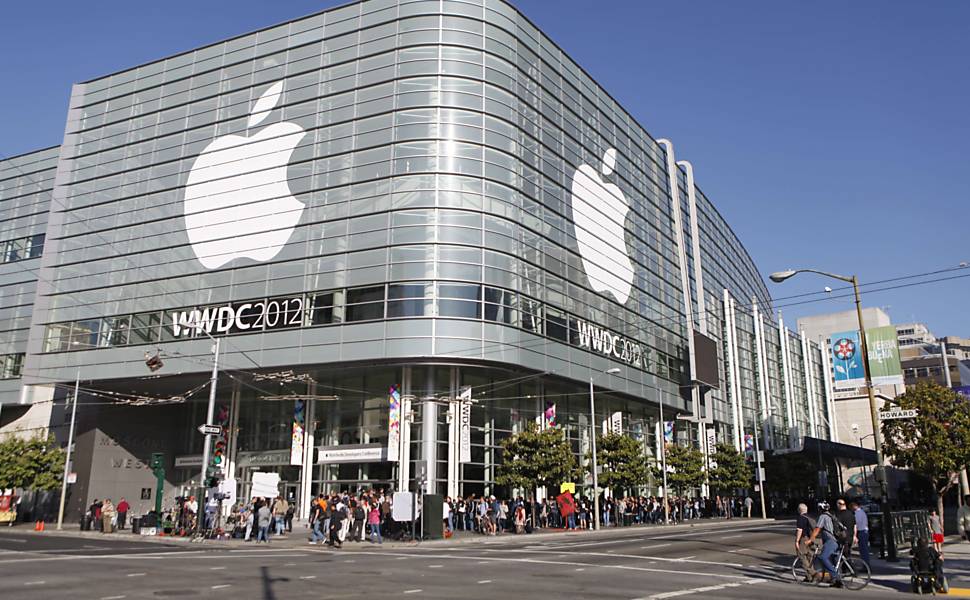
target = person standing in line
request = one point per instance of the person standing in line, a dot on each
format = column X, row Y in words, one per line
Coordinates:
column 280, row 506
column 748, row 503
column 963, row 519
column 263, row 519
column 249, row 519
column 122, row 509
column 861, row 531
column 107, row 516
column 936, row 528
column 804, row 549
column 374, row 523
column 290, row 512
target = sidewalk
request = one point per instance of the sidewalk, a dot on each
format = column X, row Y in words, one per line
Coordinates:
column 956, row 566
column 300, row 535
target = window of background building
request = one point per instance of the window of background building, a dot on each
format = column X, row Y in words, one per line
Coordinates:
column 365, row 304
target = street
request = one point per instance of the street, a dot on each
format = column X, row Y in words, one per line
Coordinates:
column 739, row 559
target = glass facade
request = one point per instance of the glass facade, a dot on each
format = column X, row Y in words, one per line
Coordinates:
column 431, row 188
column 26, row 182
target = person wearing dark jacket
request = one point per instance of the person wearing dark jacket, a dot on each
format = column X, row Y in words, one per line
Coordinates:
column 847, row 518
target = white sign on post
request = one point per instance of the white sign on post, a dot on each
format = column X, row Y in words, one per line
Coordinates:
column 898, row 413
column 403, row 507
column 616, row 422
column 265, row 485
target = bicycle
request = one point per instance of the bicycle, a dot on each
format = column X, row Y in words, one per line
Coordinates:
column 854, row 572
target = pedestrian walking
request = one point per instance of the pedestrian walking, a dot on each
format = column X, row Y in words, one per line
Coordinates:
column 936, row 528
column 861, row 531
column 804, row 549
column 963, row 519
column 748, row 503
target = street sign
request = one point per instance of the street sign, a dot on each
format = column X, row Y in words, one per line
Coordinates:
column 898, row 413
column 210, row 429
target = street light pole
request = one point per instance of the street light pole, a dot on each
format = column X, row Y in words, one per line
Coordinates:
column 663, row 461
column 67, row 459
column 207, row 439
column 880, row 471
column 592, row 439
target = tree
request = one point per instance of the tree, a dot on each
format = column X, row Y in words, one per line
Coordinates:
column 33, row 464
column 685, row 468
column 534, row 458
column 622, row 463
column 732, row 470
column 935, row 443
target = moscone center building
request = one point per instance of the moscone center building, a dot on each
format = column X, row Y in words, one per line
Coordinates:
column 414, row 227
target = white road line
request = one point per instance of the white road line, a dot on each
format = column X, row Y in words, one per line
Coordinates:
column 738, row 550
column 112, row 597
column 485, row 560
column 435, row 566
column 651, row 547
column 411, row 591
column 308, row 577
column 703, row 590
column 14, row 540
column 580, row 569
column 485, row 581
column 34, row 582
column 634, row 556
column 222, row 586
column 216, row 568
column 728, row 537
column 137, row 574
column 686, row 558
column 146, row 555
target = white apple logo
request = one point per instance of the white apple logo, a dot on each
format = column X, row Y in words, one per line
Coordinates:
column 599, row 216
column 238, row 202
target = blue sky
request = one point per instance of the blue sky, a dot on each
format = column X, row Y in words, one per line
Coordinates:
column 830, row 134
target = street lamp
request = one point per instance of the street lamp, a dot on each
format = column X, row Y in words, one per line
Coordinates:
column 207, row 439
column 880, row 473
column 592, row 428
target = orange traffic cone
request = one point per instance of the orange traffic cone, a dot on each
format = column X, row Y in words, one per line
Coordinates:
column 36, row 525
column 41, row 528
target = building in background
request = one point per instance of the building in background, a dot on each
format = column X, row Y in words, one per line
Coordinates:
column 914, row 334
column 380, row 209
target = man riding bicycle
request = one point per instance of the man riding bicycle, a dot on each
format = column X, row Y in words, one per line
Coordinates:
column 825, row 528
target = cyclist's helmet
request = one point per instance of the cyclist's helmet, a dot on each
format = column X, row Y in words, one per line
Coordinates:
column 823, row 506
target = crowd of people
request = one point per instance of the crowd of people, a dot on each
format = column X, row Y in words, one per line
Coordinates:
column 366, row 515
column 104, row 516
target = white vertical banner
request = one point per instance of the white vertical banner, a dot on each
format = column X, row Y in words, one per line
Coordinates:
column 616, row 423
column 711, row 446
column 605, row 426
column 465, row 432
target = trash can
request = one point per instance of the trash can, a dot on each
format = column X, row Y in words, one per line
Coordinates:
column 85, row 522
column 136, row 525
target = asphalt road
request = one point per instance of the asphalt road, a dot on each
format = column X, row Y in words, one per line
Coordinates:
column 746, row 560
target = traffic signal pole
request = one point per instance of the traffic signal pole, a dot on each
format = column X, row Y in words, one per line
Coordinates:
column 207, row 443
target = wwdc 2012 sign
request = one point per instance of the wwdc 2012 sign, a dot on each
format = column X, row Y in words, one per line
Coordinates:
column 258, row 315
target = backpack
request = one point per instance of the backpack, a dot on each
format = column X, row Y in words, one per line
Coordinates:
column 838, row 530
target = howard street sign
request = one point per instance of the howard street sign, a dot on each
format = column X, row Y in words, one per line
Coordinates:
column 898, row 413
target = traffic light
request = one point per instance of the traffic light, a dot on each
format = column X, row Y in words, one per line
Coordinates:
column 213, row 476
column 219, row 453
column 157, row 461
